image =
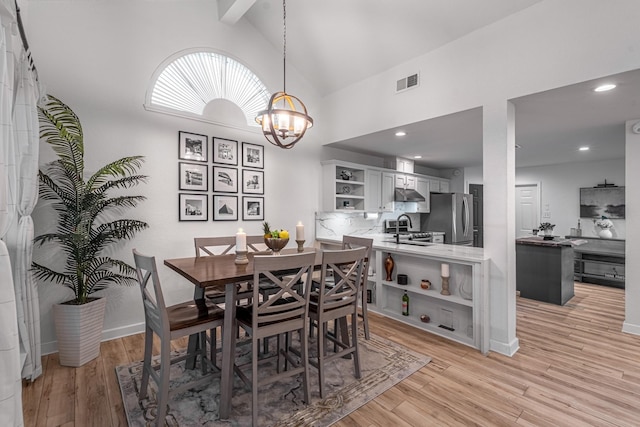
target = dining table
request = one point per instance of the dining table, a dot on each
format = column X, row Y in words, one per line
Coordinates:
column 222, row 272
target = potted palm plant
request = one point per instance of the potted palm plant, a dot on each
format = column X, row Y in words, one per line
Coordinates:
column 88, row 223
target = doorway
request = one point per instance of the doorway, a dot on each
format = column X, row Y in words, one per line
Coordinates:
column 527, row 209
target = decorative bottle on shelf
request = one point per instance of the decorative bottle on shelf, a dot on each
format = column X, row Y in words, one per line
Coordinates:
column 388, row 266
column 405, row 304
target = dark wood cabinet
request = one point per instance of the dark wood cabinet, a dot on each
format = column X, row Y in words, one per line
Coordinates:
column 544, row 271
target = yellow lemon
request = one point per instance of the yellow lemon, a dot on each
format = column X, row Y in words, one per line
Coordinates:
column 284, row 234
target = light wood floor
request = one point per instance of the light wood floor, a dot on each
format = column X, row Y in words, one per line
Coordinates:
column 574, row 368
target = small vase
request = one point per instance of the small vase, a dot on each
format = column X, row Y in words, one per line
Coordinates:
column 388, row 267
column 605, row 233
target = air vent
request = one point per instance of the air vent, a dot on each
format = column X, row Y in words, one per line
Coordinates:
column 407, row 83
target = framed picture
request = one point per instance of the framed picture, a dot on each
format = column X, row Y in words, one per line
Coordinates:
column 193, row 176
column 225, row 208
column 225, row 180
column 253, row 208
column 252, row 181
column 225, row 151
column 193, row 207
column 252, row 155
column 192, row 146
column 596, row 202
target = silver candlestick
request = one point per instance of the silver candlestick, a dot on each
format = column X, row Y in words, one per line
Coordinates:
column 300, row 245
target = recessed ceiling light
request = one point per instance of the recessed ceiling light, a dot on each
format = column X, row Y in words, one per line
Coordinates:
column 605, row 87
column 583, row 148
column 401, row 133
column 417, row 157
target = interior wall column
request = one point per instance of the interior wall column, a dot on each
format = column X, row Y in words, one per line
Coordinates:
column 632, row 245
column 498, row 171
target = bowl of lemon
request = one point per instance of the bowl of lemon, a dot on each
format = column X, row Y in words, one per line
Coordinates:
column 275, row 239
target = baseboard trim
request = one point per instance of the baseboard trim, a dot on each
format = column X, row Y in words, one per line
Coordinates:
column 631, row 328
column 508, row 349
column 107, row 335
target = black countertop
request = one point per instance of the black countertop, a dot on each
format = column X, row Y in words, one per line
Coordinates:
column 557, row 241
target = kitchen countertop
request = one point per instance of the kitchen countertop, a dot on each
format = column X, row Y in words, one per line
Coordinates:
column 539, row 241
column 440, row 250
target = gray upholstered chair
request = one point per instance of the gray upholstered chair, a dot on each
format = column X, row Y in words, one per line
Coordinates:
column 282, row 313
column 337, row 300
column 170, row 323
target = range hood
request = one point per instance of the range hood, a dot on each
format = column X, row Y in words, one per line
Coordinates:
column 408, row 195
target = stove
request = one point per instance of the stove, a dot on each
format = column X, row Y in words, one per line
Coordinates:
column 405, row 234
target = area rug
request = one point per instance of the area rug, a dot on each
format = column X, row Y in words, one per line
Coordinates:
column 383, row 364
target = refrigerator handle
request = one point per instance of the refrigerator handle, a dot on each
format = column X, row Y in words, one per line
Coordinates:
column 454, row 221
column 465, row 207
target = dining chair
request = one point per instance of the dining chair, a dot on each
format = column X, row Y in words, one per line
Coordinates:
column 334, row 301
column 279, row 315
column 224, row 245
column 351, row 242
column 170, row 323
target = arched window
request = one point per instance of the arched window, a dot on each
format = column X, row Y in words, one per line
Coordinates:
column 186, row 82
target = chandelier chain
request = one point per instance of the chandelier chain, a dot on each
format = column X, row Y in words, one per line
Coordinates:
column 284, row 45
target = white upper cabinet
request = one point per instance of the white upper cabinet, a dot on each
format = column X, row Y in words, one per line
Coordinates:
column 379, row 191
column 422, row 186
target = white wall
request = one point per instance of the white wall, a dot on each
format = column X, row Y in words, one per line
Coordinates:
column 560, row 191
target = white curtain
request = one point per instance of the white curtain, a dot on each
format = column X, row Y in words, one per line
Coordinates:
column 20, row 354
column 10, row 381
column 25, row 128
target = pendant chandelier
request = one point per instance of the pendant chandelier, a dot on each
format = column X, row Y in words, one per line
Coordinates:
column 285, row 120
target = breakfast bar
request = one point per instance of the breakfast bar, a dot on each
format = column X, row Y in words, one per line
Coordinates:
column 544, row 269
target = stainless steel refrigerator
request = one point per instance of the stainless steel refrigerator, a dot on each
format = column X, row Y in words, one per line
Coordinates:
column 451, row 213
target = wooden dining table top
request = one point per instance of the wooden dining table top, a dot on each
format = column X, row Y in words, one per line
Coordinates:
column 217, row 271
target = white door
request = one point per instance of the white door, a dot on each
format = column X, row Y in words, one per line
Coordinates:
column 527, row 209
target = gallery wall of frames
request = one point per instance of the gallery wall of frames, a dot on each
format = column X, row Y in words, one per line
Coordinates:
column 219, row 178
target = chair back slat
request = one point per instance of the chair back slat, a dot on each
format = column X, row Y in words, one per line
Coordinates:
column 285, row 303
column 345, row 267
column 223, row 245
column 352, row 242
column 154, row 306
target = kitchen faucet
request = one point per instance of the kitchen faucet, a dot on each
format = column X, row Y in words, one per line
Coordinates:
column 398, row 226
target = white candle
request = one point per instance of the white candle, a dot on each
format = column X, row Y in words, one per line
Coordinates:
column 444, row 270
column 299, row 231
column 241, row 240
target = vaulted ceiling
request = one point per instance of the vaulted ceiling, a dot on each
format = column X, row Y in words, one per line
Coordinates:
column 322, row 37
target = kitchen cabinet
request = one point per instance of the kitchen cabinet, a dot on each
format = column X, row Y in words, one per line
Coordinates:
column 460, row 317
column 343, row 186
column 399, row 164
column 408, row 182
column 379, row 188
column 422, row 187
column 439, row 185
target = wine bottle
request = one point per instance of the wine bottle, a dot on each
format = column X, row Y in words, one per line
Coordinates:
column 405, row 304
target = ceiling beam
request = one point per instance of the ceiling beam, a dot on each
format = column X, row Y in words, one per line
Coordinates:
column 230, row 11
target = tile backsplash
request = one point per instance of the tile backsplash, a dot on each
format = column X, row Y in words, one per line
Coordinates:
column 333, row 225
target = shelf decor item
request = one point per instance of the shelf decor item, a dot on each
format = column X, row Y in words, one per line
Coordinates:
column 444, row 272
column 603, row 227
column 388, row 267
column 546, row 228
column 275, row 239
